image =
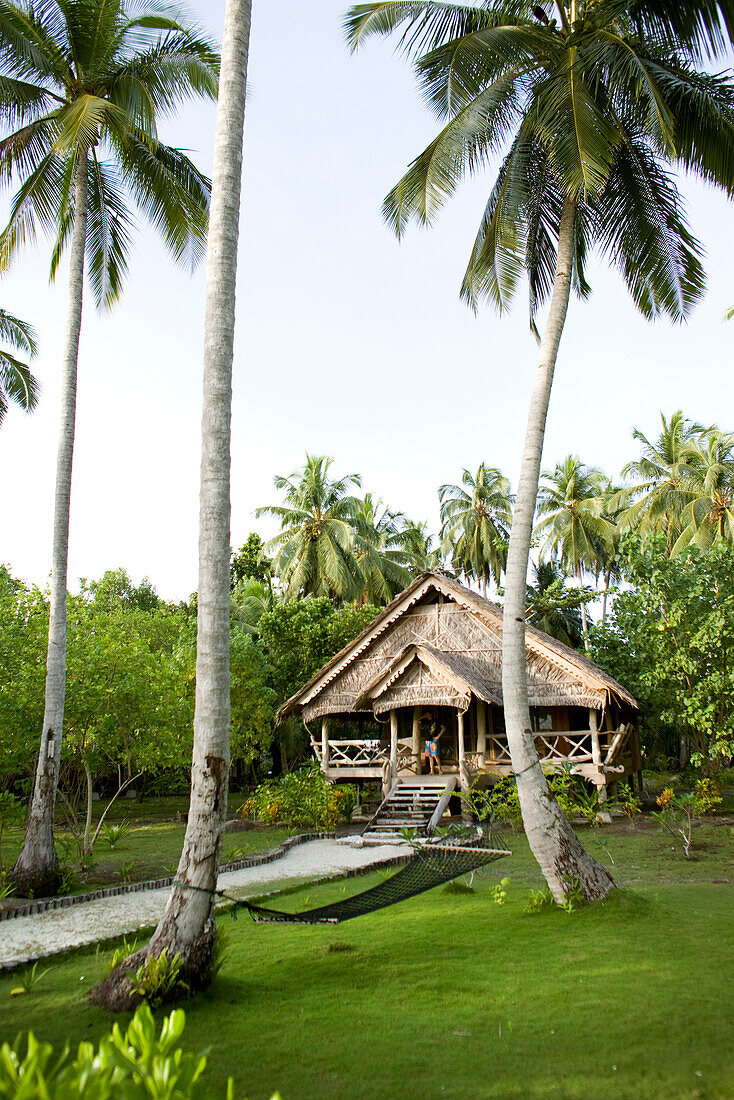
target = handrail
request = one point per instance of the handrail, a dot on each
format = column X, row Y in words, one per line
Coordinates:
column 451, row 785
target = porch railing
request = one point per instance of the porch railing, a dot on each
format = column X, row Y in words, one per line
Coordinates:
column 365, row 753
column 554, row 747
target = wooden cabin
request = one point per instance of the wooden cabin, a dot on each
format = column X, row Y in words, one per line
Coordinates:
column 432, row 661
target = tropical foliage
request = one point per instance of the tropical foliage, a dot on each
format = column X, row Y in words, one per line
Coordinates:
column 475, row 524
column 17, row 384
column 670, row 642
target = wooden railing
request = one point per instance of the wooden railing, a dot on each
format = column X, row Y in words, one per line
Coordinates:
column 365, row 753
column 554, row 747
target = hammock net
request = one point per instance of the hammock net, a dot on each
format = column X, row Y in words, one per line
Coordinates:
column 431, row 865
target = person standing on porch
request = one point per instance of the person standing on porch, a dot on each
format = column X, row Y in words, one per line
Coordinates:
column 431, row 748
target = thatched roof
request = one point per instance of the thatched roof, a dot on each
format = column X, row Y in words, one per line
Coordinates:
column 456, row 635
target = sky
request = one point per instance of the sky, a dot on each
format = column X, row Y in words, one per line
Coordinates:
column 348, row 342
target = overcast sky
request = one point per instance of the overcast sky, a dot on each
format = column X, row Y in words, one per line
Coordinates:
column 348, row 343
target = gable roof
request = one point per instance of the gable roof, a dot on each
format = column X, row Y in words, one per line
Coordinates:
column 458, row 671
column 542, row 649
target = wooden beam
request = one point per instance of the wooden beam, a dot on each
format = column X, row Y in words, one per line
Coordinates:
column 325, row 744
column 481, row 732
column 417, row 740
column 393, row 744
column 601, row 782
column 463, row 774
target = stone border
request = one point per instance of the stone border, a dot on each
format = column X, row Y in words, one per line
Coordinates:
column 225, row 906
column 44, row 905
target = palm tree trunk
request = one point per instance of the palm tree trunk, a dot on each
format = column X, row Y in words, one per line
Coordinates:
column 584, row 620
column 187, row 925
column 553, row 842
column 37, row 871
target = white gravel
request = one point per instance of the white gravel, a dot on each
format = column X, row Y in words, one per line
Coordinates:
column 42, row 934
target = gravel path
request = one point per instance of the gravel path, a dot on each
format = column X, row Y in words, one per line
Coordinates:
column 33, row 937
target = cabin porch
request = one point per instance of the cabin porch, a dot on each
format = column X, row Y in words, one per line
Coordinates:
column 597, row 745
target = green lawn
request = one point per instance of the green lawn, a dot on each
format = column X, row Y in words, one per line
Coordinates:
column 449, row 995
column 150, row 849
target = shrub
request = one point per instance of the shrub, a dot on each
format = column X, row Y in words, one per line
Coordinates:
column 157, row 979
column 137, row 1064
column 301, row 799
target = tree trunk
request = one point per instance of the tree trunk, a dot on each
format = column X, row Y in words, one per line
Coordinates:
column 37, row 872
column 554, row 844
column 187, row 925
column 88, row 816
column 584, row 620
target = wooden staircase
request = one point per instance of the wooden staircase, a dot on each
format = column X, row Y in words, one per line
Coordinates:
column 411, row 804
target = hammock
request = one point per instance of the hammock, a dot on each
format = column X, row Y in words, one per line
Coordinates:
column 432, row 865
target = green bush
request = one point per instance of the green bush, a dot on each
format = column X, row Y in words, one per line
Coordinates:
column 301, row 799
column 157, row 979
column 137, row 1064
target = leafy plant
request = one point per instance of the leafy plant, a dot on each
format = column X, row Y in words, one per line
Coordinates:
column 678, row 811
column 6, row 888
column 29, row 979
column 239, row 852
column 539, row 899
column 157, row 978
column 68, row 880
column 125, row 870
column 573, row 896
column 121, row 953
column 499, row 891
column 139, row 1064
column 301, row 799
column 113, row 834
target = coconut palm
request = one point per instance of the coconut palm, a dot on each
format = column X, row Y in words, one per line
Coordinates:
column 249, row 601
column 313, row 553
column 608, row 566
column 709, row 514
column 475, row 523
column 83, row 86
column 378, row 551
column 660, row 490
column 553, row 607
column 186, row 928
column 16, row 381
column 571, row 523
column 420, row 555
column 590, row 103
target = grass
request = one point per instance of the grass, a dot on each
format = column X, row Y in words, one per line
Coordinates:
column 150, row 849
column 449, row 995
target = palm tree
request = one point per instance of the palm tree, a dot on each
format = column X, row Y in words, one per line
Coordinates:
column 249, row 601
column 553, row 607
column 475, row 523
column 313, row 554
column 660, row 492
column 378, row 552
column 186, row 928
column 591, row 102
column 608, row 565
column 16, row 381
column 709, row 515
column 571, row 523
column 83, row 87
column 419, row 553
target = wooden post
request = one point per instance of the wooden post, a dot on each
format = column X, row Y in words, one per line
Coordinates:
column 481, row 732
column 417, row 740
column 325, row 745
column 462, row 754
column 601, row 782
column 393, row 745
